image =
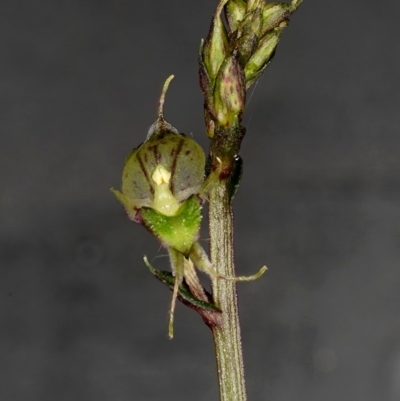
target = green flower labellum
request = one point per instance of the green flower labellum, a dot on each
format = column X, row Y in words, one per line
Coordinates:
column 179, row 231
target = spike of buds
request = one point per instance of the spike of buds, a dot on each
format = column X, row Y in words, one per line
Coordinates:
column 246, row 50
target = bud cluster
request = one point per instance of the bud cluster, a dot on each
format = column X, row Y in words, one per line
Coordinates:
column 232, row 58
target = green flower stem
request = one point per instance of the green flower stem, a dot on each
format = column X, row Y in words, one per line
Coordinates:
column 227, row 340
column 224, row 147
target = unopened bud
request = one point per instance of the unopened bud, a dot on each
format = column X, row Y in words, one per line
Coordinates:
column 235, row 10
column 230, row 92
column 273, row 14
column 247, row 35
column 262, row 56
column 215, row 47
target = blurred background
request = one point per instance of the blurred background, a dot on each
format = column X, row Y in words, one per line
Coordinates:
column 82, row 319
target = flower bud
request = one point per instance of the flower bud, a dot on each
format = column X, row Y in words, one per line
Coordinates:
column 247, row 35
column 215, row 48
column 262, row 56
column 273, row 14
column 207, row 88
column 230, row 92
column 235, row 10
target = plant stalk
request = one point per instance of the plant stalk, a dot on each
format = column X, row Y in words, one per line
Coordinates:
column 226, row 336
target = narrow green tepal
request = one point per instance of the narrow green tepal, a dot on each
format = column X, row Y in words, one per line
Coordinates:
column 184, row 293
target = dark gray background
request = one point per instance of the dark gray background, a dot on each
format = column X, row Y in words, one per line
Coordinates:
column 81, row 317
